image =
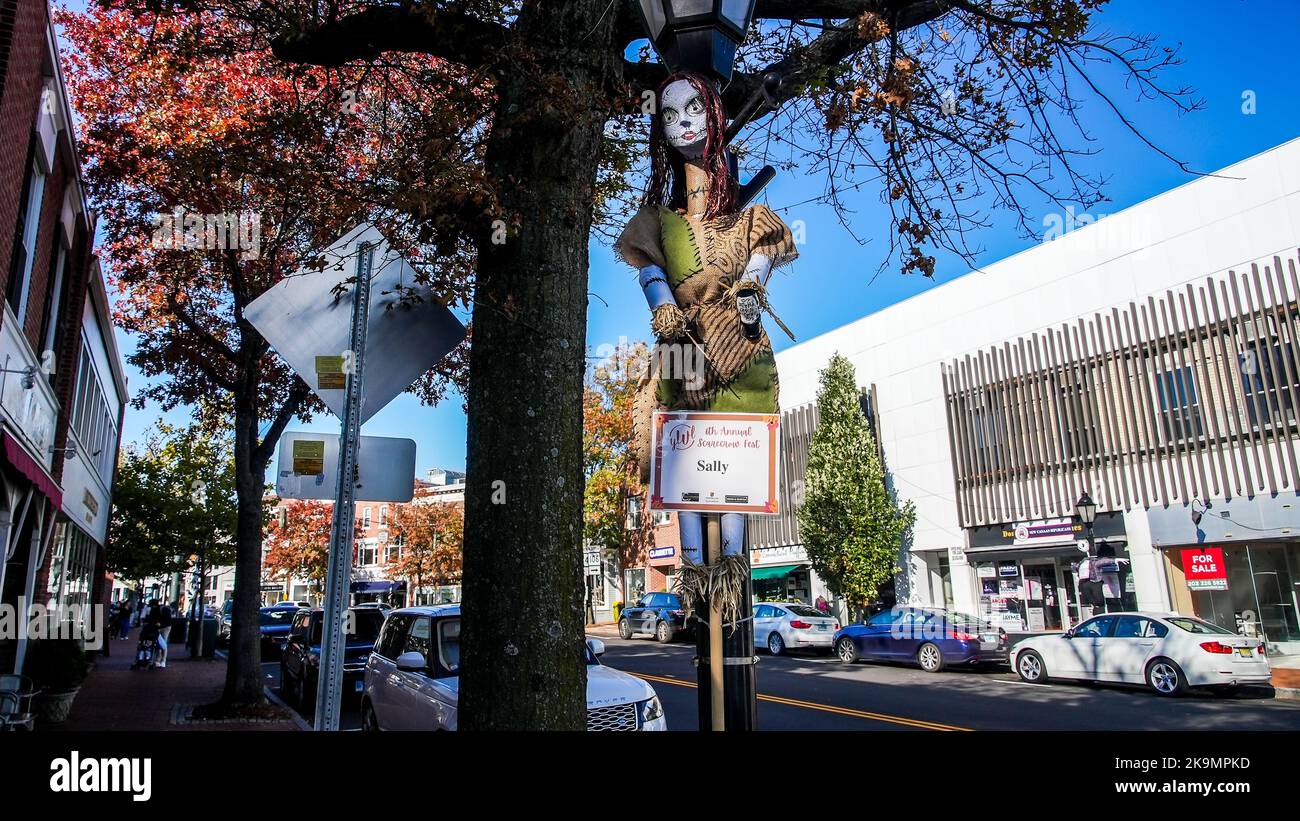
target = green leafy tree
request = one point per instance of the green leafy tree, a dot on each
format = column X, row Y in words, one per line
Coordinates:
column 159, row 519
column 850, row 521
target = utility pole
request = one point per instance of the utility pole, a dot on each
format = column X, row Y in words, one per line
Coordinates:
column 330, row 687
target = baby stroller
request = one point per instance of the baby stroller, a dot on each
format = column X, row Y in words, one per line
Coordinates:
column 147, row 650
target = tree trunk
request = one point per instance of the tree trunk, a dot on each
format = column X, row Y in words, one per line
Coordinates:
column 244, row 668
column 522, row 604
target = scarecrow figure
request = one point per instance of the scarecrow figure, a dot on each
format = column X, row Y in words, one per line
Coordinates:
column 703, row 263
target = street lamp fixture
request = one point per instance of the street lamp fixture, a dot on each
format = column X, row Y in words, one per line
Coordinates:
column 1087, row 510
column 698, row 35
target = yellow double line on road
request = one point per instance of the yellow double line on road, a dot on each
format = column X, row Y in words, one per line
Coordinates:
column 826, row 708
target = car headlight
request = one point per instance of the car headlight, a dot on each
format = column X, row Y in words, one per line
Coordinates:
column 651, row 709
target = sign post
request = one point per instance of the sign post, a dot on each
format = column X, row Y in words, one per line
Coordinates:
column 330, row 687
column 716, row 464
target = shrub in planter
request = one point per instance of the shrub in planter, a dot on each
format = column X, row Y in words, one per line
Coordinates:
column 58, row 667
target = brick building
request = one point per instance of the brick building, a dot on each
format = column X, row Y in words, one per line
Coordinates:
column 62, row 389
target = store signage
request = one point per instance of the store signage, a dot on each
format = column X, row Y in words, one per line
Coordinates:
column 662, row 552
column 1008, row 568
column 716, row 462
column 986, row 571
column 1047, row 531
column 1204, row 569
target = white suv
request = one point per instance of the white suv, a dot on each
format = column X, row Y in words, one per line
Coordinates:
column 413, row 679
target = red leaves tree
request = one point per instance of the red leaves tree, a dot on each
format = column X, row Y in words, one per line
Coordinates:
column 298, row 542
column 431, row 537
column 179, row 117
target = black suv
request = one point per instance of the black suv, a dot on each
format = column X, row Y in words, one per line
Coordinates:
column 300, row 661
column 659, row 614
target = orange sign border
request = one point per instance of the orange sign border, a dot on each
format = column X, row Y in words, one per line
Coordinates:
column 773, row 422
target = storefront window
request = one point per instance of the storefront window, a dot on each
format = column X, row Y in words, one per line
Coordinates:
column 1050, row 593
column 1262, row 585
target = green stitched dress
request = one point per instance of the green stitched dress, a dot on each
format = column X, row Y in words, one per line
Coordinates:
column 702, row 259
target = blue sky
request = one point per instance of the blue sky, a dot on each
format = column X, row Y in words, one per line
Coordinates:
column 1230, row 48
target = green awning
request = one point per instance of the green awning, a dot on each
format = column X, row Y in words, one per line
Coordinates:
column 776, row 571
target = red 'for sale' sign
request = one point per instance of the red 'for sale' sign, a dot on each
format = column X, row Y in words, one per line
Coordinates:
column 1205, row 569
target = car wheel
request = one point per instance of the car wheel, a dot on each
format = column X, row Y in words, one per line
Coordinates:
column 664, row 632
column 288, row 691
column 1030, row 667
column 307, row 694
column 775, row 644
column 369, row 723
column 846, row 650
column 1166, row 678
column 930, row 657
column 624, row 629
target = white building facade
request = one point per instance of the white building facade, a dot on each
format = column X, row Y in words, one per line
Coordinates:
column 1149, row 360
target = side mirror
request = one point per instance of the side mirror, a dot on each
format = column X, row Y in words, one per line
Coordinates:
column 412, row 662
column 1068, row 634
column 597, row 647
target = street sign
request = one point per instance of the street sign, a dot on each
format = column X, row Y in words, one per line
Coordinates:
column 716, row 462
column 409, row 330
column 309, row 467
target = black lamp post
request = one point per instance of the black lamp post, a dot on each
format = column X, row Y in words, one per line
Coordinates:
column 698, row 35
column 1087, row 510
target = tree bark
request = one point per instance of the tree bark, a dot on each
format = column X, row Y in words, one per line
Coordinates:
column 244, row 667
column 522, row 596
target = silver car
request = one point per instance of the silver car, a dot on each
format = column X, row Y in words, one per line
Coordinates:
column 412, row 679
column 782, row 626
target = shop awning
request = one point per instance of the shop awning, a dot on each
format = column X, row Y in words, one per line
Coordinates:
column 22, row 461
column 776, row 571
column 373, row 587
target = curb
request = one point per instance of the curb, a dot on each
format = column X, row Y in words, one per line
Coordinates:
column 1289, row 693
column 298, row 720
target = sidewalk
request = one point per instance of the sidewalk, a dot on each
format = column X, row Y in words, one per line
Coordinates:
column 115, row 697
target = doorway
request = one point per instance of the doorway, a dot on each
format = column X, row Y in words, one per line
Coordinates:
column 1043, row 610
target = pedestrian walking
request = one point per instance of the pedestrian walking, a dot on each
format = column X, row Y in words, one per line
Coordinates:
column 164, row 621
column 123, row 619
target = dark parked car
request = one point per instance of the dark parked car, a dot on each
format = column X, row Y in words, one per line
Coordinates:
column 223, row 627
column 274, row 623
column 659, row 614
column 929, row 637
column 300, row 661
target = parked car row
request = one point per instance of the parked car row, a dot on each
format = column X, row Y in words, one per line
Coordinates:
column 1167, row 653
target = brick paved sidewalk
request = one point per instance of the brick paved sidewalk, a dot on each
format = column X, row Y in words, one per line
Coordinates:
column 115, row 697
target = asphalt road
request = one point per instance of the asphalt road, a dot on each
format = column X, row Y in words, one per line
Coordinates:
column 349, row 716
column 809, row 692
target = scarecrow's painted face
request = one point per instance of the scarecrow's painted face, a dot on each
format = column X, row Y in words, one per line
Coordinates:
column 684, row 118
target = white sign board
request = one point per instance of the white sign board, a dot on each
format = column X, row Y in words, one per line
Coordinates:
column 716, row 462
column 409, row 330
column 309, row 464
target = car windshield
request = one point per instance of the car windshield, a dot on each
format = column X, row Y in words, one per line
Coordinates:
column 804, row 610
column 1197, row 626
column 363, row 626
column 277, row 616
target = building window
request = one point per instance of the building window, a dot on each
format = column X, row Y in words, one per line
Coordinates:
column 1180, row 411
column 29, row 219
column 1076, row 420
column 392, row 553
column 1269, row 375
column 95, row 425
column 663, row 517
column 365, row 518
column 987, row 431
column 383, row 516
column 367, row 554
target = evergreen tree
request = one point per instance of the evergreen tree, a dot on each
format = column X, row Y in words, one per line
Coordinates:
column 851, row 523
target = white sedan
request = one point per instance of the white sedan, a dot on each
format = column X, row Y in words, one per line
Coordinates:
column 413, row 679
column 782, row 626
column 1164, row 651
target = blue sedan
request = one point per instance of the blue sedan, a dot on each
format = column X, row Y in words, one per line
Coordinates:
column 929, row 637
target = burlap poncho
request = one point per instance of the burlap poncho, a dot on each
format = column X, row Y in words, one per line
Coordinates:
column 702, row 259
